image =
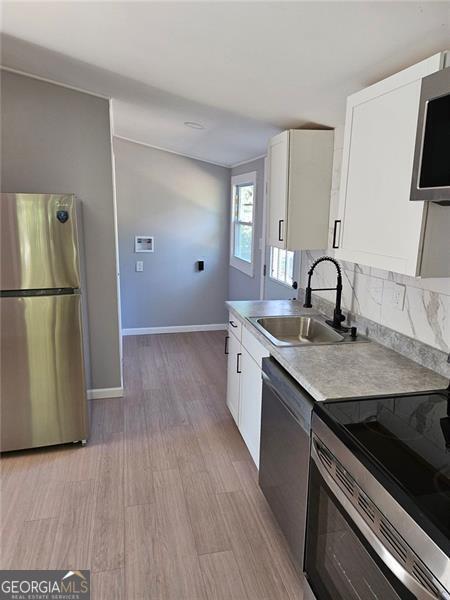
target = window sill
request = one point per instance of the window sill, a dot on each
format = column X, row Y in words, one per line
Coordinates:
column 242, row 266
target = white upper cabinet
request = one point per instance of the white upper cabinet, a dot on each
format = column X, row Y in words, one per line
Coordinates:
column 298, row 188
column 277, row 188
column 379, row 225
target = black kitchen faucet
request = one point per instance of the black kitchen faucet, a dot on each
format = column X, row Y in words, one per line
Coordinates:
column 338, row 317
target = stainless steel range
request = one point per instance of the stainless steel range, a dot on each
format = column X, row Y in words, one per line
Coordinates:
column 378, row 522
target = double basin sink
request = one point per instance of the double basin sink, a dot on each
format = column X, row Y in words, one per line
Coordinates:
column 301, row 330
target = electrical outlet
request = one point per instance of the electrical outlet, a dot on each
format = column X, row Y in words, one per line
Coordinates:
column 398, row 296
column 139, row 266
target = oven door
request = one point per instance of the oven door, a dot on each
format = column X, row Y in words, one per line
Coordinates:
column 344, row 559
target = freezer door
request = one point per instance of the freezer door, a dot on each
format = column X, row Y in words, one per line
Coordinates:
column 43, row 396
column 39, row 242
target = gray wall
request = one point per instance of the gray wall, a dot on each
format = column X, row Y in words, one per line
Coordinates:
column 184, row 204
column 240, row 285
column 58, row 140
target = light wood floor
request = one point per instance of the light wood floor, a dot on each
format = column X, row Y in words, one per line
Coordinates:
column 163, row 502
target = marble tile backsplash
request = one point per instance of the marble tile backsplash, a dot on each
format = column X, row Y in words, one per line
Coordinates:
column 370, row 293
column 426, row 312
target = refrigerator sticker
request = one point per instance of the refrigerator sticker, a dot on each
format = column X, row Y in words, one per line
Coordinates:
column 62, row 216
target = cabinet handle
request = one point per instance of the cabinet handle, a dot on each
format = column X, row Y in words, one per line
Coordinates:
column 227, row 337
column 335, row 241
column 280, row 227
column 238, row 362
column 233, row 324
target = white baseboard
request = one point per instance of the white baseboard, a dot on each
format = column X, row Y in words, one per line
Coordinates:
column 116, row 392
column 174, row 329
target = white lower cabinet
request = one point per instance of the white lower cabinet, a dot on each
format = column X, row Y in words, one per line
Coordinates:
column 244, row 387
column 250, row 404
column 233, row 376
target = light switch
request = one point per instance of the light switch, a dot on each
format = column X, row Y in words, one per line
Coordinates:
column 139, row 266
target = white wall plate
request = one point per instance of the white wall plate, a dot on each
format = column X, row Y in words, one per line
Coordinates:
column 144, row 243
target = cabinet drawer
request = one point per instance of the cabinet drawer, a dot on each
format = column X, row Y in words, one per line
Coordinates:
column 253, row 346
column 234, row 326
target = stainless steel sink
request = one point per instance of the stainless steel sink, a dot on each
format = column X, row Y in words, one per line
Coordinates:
column 300, row 330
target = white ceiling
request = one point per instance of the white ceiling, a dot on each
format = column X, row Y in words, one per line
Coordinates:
column 244, row 69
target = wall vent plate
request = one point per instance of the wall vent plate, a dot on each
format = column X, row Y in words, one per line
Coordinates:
column 144, row 243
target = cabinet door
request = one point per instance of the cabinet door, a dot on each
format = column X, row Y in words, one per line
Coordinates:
column 250, row 405
column 381, row 227
column 277, row 181
column 233, row 376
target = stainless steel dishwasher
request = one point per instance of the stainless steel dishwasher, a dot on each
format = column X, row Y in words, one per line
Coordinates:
column 285, row 448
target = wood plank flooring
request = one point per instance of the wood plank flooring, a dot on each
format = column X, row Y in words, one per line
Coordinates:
column 163, row 502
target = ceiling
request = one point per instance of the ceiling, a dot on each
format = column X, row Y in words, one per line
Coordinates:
column 244, row 69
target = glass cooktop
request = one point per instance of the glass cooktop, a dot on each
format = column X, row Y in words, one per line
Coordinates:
column 409, row 439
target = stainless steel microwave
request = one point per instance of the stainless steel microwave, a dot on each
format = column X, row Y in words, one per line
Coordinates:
column 431, row 167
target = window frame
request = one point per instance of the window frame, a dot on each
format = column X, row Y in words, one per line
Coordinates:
column 238, row 263
column 281, row 281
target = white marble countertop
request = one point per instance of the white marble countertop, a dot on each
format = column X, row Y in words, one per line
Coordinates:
column 342, row 370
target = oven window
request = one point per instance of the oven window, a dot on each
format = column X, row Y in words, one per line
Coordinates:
column 339, row 564
column 435, row 169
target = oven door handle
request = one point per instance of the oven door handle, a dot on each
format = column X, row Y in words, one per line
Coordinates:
column 381, row 551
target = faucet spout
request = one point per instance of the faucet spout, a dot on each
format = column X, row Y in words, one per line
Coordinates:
column 338, row 317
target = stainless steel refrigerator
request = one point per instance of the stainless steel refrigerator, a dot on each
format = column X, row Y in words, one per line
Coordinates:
column 43, row 392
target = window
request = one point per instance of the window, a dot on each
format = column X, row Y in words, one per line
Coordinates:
column 282, row 265
column 243, row 200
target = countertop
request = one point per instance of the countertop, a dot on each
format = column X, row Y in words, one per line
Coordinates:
column 339, row 371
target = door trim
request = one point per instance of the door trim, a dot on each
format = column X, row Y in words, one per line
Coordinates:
column 262, row 276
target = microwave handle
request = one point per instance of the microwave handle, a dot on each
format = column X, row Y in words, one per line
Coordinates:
column 382, row 552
